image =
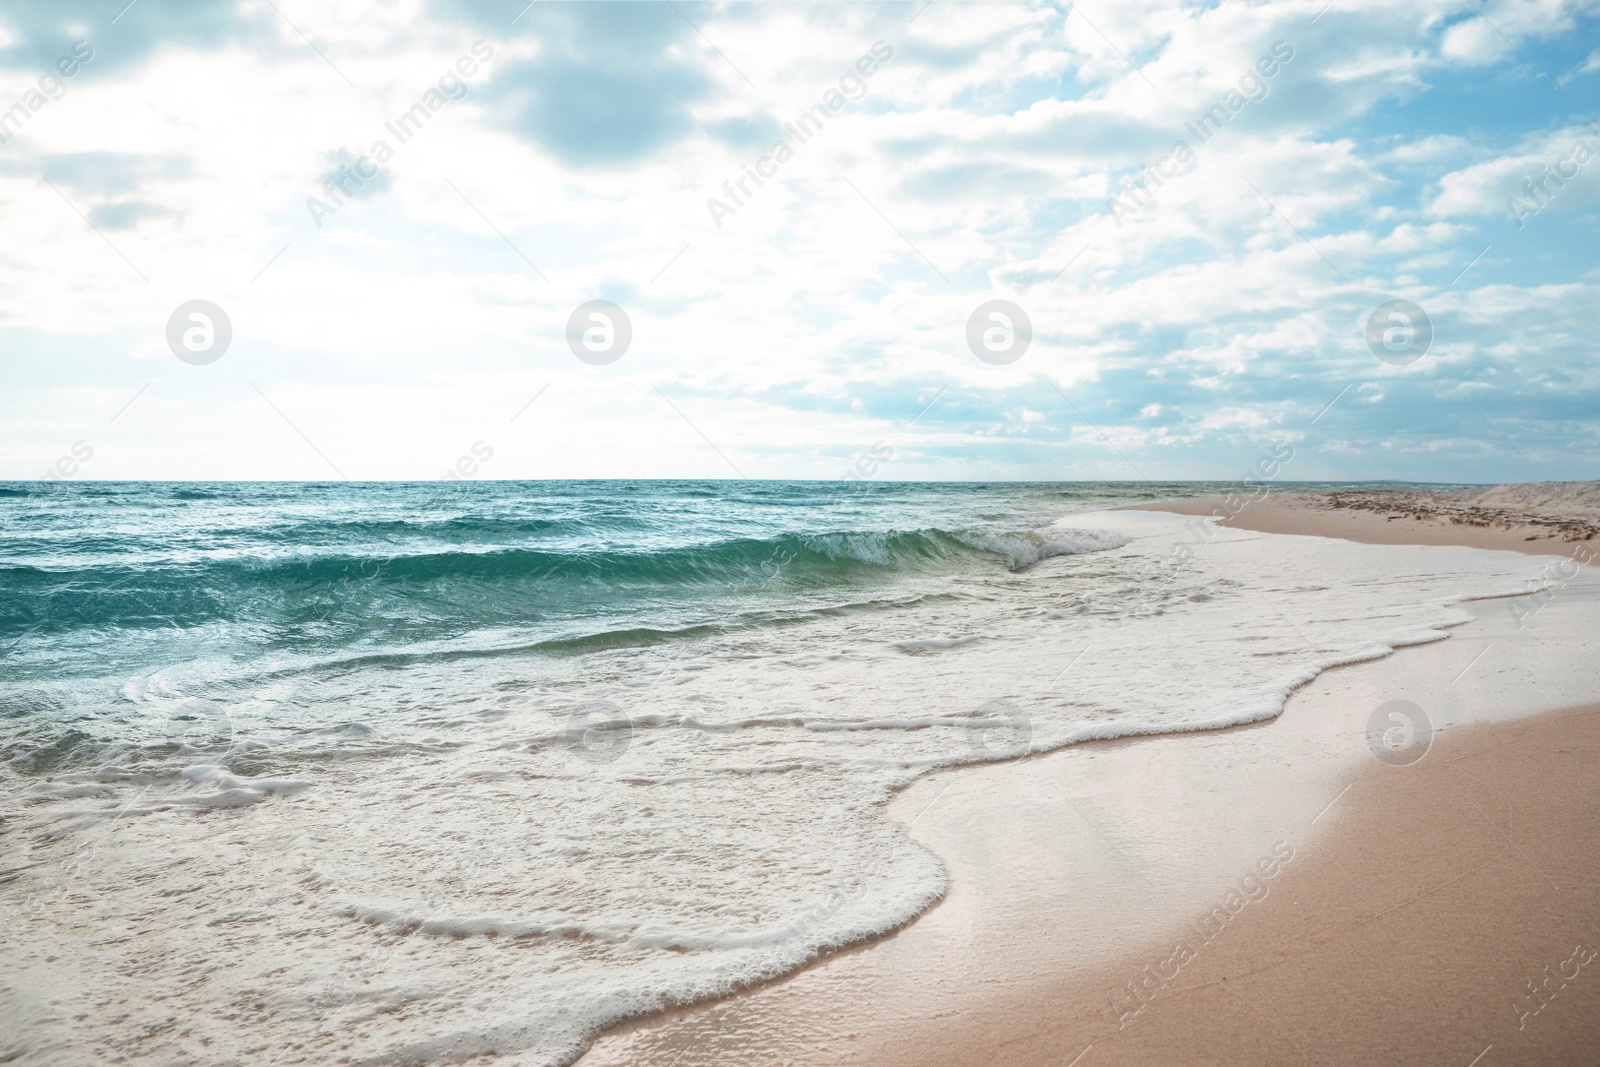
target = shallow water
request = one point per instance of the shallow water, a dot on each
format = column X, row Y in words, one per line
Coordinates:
column 421, row 772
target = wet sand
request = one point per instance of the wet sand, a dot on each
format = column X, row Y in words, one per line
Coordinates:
column 1370, row 912
column 1449, row 916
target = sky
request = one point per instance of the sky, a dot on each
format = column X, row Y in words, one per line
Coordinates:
column 1197, row 219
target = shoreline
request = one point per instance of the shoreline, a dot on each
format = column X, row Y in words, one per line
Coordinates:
column 1069, row 890
column 1474, row 900
column 1331, row 515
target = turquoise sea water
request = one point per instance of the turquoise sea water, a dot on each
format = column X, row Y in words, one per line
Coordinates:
column 439, row 772
column 109, row 588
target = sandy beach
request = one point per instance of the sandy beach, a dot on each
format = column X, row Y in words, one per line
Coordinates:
column 1273, row 893
column 1045, row 780
column 1522, row 518
column 799, row 535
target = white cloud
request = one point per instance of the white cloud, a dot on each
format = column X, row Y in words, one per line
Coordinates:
column 1559, row 169
column 808, row 324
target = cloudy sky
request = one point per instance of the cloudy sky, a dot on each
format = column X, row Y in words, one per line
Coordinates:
column 1199, row 208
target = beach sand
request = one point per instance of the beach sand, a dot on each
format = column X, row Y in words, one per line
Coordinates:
column 1370, row 913
column 1399, row 518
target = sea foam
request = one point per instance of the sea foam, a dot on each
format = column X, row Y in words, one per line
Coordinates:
column 542, row 846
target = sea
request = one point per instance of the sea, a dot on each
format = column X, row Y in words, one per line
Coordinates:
column 447, row 771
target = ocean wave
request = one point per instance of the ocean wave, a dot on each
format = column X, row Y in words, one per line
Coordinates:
column 651, row 828
column 518, row 583
column 824, row 556
column 1024, row 548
